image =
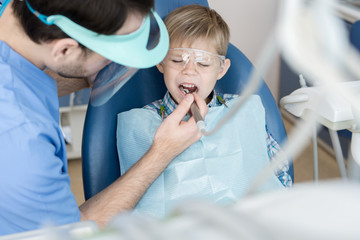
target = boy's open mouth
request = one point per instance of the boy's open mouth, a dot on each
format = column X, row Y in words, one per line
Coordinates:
column 188, row 88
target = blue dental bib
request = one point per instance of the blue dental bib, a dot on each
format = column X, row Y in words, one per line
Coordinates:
column 218, row 168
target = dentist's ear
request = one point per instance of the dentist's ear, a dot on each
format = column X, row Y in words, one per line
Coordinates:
column 63, row 48
column 160, row 67
column 224, row 68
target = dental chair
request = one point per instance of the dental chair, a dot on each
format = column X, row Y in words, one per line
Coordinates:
column 355, row 35
column 100, row 161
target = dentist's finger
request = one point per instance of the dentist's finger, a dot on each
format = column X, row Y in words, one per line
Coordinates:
column 182, row 109
column 200, row 102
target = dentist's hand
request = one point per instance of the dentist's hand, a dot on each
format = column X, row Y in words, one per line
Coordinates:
column 175, row 135
column 171, row 138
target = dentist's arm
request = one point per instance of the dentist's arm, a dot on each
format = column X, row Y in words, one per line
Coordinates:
column 171, row 138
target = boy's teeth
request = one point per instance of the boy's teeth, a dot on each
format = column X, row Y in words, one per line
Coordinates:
column 188, row 88
column 186, row 91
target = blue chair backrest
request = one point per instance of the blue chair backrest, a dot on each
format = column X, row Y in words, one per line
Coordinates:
column 355, row 35
column 99, row 153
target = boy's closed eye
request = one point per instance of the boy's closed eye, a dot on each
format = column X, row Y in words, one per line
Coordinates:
column 177, row 60
column 203, row 64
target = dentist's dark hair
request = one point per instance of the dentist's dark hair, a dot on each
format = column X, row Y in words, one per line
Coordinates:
column 101, row 16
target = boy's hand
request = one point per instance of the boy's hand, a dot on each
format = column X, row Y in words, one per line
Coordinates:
column 175, row 135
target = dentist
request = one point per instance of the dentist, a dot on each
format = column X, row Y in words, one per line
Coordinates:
column 74, row 38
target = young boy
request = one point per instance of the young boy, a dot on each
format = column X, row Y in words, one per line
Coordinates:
column 218, row 167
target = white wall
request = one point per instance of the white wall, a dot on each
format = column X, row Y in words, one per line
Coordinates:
column 250, row 23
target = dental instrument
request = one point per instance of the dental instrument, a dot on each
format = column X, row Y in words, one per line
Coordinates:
column 195, row 112
column 197, row 116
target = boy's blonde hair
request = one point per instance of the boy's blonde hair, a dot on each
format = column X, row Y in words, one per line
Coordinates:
column 191, row 22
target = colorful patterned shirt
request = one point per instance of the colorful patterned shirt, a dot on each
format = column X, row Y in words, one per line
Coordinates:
column 164, row 107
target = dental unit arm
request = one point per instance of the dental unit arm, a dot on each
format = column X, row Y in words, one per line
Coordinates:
column 333, row 112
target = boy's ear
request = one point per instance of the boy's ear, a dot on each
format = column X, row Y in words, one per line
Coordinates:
column 224, row 68
column 63, row 48
column 160, row 67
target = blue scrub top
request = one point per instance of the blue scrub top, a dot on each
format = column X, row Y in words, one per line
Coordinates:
column 34, row 183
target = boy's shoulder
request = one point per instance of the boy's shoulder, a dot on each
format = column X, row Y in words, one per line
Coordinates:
column 228, row 96
column 225, row 98
column 222, row 98
column 154, row 106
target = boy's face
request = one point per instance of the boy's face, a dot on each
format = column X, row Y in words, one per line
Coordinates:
column 188, row 70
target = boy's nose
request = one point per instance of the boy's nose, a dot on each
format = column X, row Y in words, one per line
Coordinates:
column 189, row 67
